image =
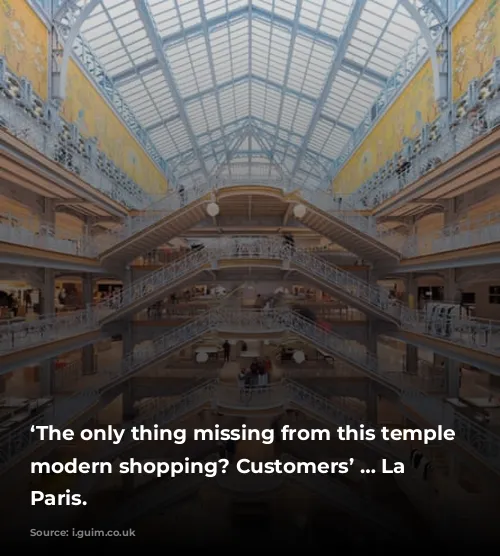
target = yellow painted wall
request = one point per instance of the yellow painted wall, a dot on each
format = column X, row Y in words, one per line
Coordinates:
column 415, row 107
column 24, row 43
column 85, row 106
column 475, row 43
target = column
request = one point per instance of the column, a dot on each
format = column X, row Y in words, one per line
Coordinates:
column 128, row 410
column 47, row 308
column 451, row 289
column 127, row 397
column 89, row 366
column 411, row 356
column 451, row 367
column 372, row 404
column 412, row 291
column 453, row 378
column 371, row 336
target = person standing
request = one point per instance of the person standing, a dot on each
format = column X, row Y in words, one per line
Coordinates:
column 227, row 351
column 182, row 195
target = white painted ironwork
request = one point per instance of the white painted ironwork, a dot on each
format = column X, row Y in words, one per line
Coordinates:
column 478, row 334
column 434, row 411
column 472, row 436
column 173, row 201
column 448, row 141
column 15, row 335
column 30, row 233
column 459, row 235
column 374, row 296
column 44, row 136
column 463, row 331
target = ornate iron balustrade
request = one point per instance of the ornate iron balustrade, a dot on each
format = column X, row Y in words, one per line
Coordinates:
column 460, row 235
column 471, row 332
column 171, row 202
column 448, row 141
column 15, row 335
column 374, row 296
column 433, row 410
column 481, row 335
column 50, row 137
column 29, row 233
column 475, row 439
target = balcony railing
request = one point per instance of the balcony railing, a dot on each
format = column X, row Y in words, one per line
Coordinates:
column 38, row 124
column 16, row 336
column 444, row 142
column 478, row 439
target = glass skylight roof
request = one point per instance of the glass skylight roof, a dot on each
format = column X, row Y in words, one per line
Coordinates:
column 222, row 84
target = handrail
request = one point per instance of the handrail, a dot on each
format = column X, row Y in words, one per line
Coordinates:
column 17, row 335
column 465, row 233
column 49, row 139
column 42, row 235
column 481, row 335
column 431, row 409
column 253, row 248
column 449, row 141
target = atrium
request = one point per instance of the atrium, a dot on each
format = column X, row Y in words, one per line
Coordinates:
column 273, row 214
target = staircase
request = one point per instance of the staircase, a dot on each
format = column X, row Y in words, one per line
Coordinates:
column 351, row 230
column 163, row 221
column 433, row 411
column 145, row 291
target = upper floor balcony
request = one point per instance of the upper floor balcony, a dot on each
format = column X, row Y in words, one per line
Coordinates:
column 473, row 116
column 38, row 124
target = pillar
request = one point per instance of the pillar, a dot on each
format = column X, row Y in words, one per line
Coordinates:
column 89, row 366
column 48, row 211
column 451, row 290
column 451, row 370
column 89, row 363
column 372, row 404
column 47, row 308
column 128, row 410
column 3, row 384
column 48, row 292
column 371, row 336
column 127, row 397
column 411, row 366
column 450, row 211
column 412, row 291
column 453, row 375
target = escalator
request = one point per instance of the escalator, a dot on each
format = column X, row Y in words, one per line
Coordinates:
column 144, row 292
column 353, row 231
column 478, row 441
column 143, row 232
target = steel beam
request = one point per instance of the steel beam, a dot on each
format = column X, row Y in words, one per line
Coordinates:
column 156, row 43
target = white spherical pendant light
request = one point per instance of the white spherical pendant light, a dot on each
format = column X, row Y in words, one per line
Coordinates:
column 299, row 357
column 213, row 209
column 299, row 211
column 202, row 357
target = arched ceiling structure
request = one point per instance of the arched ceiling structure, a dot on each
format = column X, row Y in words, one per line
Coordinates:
column 249, row 90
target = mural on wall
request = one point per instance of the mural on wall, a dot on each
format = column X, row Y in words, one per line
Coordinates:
column 24, row 43
column 475, row 43
column 85, row 106
column 415, row 107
